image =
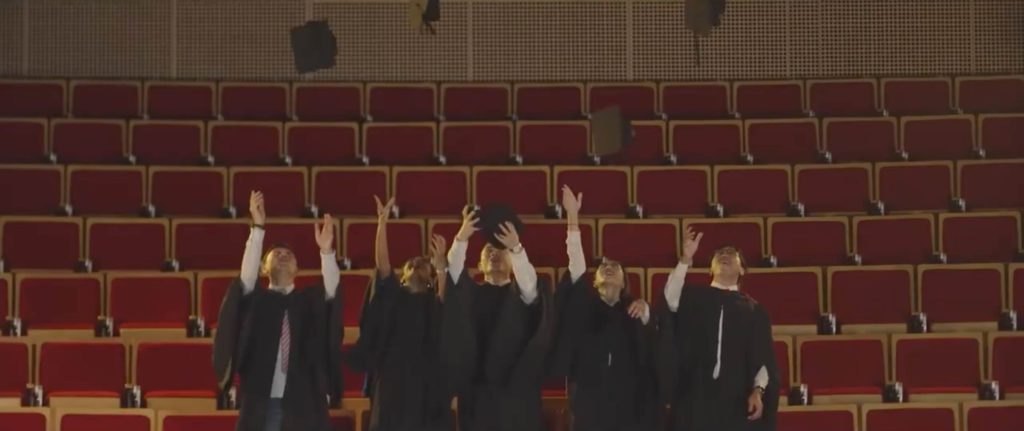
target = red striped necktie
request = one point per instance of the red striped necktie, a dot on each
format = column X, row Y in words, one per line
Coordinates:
column 285, row 344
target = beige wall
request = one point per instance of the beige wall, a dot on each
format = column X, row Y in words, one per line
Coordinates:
column 512, row 39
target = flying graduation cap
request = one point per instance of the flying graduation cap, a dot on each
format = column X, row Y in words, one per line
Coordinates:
column 610, row 132
column 314, row 46
column 423, row 14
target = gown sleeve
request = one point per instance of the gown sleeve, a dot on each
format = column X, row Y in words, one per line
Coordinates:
column 762, row 353
column 374, row 325
column 570, row 304
column 227, row 341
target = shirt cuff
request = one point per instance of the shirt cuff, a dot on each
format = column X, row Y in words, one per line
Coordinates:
column 761, row 379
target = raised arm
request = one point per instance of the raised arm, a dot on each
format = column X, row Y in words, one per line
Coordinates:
column 457, row 254
column 250, row 272
column 438, row 247
column 324, row 232
column 676, row 279
column 525, row 273
column 573, row 242
column 383, row 258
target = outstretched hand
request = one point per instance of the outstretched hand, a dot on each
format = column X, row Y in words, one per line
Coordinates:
column 439, row 252
column 469, row 224
column 384, row 210
column 691, row 241
column 256, row 208
column 324, row 232
column 571, row 202
column 507, row 235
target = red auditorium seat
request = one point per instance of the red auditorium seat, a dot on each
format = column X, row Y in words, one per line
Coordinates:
column 980, row 237
column 709, row 142
column 59, row 301
column 198, row 421
column 977, row 94
column 871, row 299
column 201, row 244
column 917, row 96
column 187, row 191
column 412, row 144
column 944, row 295
column 672, row 190
column 405, row 240
column 1005, row 354
column 31, row 189
column 544, row 241
column 284, row 190
column 759, row 99
column 553, row 142
column 167, row 142
column 945, row 137
column 328, row 101
column 175, row 369
column 636, row 100
column 698, row 100
column 106, row 99
column 843, row 368
column 657, row 277
column 648, row 147
column 793, row 297
column 430, row 191
column 785, row 360
column 993, row 415
column 234, row 143
column 180, row 100
column 465, row 101
column 818, row 241
column 33, row 97
column 86, row 419
column 991, row 184
column 40, row 242
column 83, row 368
column 259, row 101
column 25, row 419
column 106, row 190
column 916, row 416
column 88, row 141
column 127, row 244
column 345, row 192
column 606, row 189
column 353, row 290
column 783, row 141
column 6, row 295
column 957, row 374
column 16, row 360
column 212, row 285
column 861, row 139
column 834, row 189
column 908, row 239
column 210, row 289
column 810, row 418
column 640, row 243
column 753, row 189
column 150, row 300
column 297, row 234
column 1002, row 135
column 914, row 186
column 746, row 234
column 322, row 144
column 23, row 140
column 525, row 189
column 402, row 102
column 561, row 101
column 842, row 97
column 476, row 143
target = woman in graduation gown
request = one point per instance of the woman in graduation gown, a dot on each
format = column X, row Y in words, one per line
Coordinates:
column 399, row 339
column 604, row 342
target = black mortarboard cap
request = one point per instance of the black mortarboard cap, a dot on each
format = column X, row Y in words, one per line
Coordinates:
column 314, row 46
column 610, row 131
column 491, row 217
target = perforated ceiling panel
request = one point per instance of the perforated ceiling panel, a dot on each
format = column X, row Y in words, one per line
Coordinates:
column 99, row 38
column 999, row 40
column 10, row 37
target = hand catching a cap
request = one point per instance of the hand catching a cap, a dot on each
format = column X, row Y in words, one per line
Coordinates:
column 469, row 224
column 508, row 236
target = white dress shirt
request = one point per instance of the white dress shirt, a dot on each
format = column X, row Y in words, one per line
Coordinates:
column 250, row 274
column 522, row 269
column 674, row 290
column 578, row 264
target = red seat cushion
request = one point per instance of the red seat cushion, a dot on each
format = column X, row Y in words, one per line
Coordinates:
column 91, row 422
column 22, row 421
column 910, row 417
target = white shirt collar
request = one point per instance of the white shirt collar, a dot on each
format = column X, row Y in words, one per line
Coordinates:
column 284, row 290
column 718, row 285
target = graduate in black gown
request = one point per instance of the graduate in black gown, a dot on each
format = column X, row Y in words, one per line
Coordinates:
column 604, row 341
column 716, row 364
column 496, row 335
column 399, row 340
column 284, row 342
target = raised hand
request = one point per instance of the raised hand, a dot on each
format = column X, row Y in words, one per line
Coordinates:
column 256, row 208
column 384, row 210
column 439, row 252
column 691, row 241
column 507, row 235
column 469, row 222
column 571, row 202
column 324, row 232
column 638, row 309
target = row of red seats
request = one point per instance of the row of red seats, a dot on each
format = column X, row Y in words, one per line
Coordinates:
column 697, row 142
column 85, row 419
column 877, row 298
column 310, row 101
column 852, row 189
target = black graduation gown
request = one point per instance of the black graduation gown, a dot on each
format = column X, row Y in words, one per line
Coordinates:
column 494, row 350
column 246, row 343
column 606, row 355
column 687, row 350
column 398, row 349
